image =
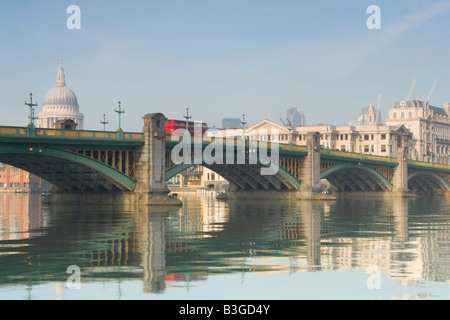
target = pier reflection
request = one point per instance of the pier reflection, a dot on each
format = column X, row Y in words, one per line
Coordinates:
column 407, row 239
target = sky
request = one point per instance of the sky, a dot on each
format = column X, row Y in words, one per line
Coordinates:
column 223, row 58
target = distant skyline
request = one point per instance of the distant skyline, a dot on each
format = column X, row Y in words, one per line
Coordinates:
column 222, row 59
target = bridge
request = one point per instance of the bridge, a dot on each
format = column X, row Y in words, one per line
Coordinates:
column 140, row 163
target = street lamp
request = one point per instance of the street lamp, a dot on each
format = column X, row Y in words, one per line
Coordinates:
column 243, row 122
column 187, row 117
column 31, row 105
column 120, row 111
column 328, row 145
column 410, row 151
column 104, row 122
column 360, row 146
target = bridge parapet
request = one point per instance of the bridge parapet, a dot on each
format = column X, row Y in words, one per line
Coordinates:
column 21, row 132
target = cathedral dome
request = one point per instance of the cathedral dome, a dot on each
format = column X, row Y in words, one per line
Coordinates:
column 60, row 98
column 60, row 103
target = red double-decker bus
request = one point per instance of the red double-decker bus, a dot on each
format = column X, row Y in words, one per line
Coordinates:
column 172, row 125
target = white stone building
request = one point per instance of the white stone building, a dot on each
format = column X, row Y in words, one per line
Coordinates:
column 430, row 127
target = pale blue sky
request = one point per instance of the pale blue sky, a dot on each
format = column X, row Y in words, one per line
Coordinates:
column 223, row 58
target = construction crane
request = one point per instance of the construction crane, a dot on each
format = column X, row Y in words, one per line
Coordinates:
column 432, row 89
column 411, row 89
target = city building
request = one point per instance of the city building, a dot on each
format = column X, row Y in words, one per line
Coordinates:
column 198, row 177
column 430, row 127
column 231, row 123
column 368, row 115
column 375, row 139
column 295, row 117
column 13, row 179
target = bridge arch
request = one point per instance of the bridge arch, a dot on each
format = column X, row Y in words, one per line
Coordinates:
column 67, row 170
column 245, row 176
column 425, row 180
column 356, row 177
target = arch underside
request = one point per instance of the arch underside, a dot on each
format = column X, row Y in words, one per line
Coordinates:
column 356, row 178
column 69, row 176
column 247, row 177
column 426, row 181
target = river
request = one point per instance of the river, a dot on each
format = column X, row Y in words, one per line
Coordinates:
column 357, row 248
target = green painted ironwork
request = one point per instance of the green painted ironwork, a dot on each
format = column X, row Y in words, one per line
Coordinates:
column 31, row 105
column 77, row 158
column 120, row 111
column 104, row 122
column 430, row 174
column 342, row 166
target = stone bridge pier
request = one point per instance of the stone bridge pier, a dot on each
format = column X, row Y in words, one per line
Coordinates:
column 150, row 164
column 309, row 169
column 400, row 176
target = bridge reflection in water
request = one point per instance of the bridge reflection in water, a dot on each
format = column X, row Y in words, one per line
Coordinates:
column 207, row 237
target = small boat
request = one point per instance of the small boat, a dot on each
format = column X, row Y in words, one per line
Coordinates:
column 221, row 195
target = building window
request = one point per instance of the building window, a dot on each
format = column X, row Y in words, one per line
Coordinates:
column 383, row 148
column 395, row 115
column 342, row 148
column 14, row 169
column 366, row 148
column 15, row 176
column 366, row 137
column 383, row 136
column 14, row 185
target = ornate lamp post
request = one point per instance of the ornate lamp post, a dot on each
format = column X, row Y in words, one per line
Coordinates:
column 120, row 111
column 187, row 117
column 243, row 122
column 328, row 144
column 31, row 105
column 104, row 122
column 360, row 146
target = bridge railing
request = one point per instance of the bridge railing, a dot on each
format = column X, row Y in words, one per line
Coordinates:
column 56, row 133
column 237, row 141
column 355, row 155
column 429, row 164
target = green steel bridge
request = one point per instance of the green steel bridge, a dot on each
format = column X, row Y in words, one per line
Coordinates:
column 84, row 161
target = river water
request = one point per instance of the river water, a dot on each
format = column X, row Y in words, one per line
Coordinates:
column 210, row 249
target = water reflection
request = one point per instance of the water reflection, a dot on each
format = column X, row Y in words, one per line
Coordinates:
column 407, row 239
